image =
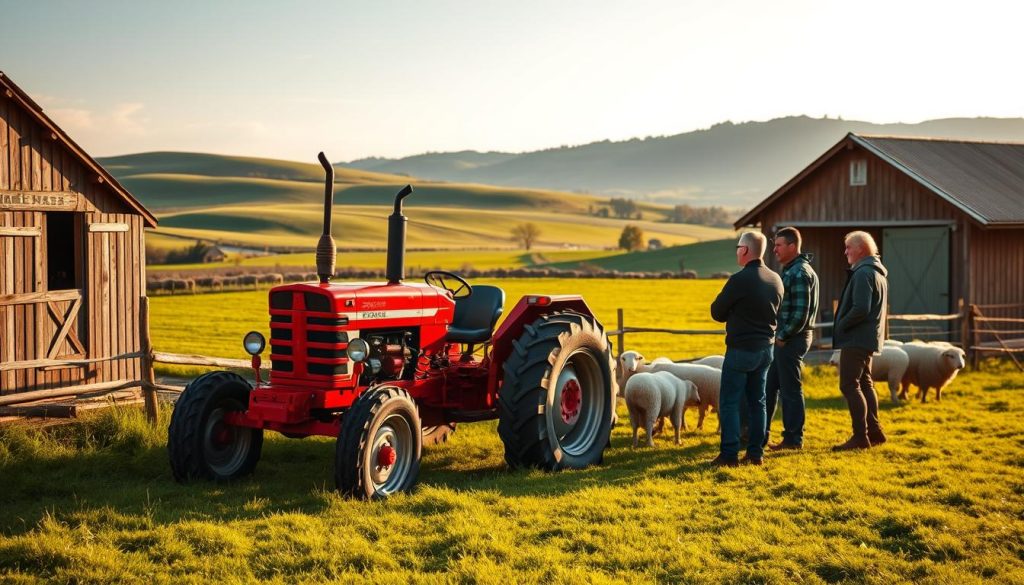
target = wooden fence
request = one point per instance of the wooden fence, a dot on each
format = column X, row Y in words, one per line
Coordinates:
column 969, row 328
column 972, row 328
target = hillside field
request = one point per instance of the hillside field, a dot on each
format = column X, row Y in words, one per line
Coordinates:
column 299, row 226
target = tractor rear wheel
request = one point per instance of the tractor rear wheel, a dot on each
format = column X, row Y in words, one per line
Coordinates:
column 436, row 435
column 380, row 444
column 556, row 403
column 200, row 444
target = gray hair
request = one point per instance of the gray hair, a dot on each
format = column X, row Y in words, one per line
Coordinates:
column 863, row 239
column 755, row 242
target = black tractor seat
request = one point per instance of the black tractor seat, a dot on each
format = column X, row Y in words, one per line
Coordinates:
column 476, row 315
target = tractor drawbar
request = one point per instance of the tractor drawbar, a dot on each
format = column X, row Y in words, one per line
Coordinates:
column 396, row 239
column 325, row 248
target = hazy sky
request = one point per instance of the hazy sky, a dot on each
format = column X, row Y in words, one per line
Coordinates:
column 385, row 78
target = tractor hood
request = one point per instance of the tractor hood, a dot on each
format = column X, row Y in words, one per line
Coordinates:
column 370, row 303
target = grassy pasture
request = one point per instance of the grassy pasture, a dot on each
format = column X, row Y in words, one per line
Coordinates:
column 942, row 502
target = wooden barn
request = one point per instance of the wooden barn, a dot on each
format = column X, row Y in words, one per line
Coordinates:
column 948, row 216
column 72, row 260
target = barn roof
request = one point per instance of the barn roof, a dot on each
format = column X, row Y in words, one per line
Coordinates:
column 985, row 180
column 22, row 99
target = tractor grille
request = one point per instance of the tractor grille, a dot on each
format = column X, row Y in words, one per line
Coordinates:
column 318, row 303
column 327, row 336
column 305, row 340
column 327, row 369
column 281, row 300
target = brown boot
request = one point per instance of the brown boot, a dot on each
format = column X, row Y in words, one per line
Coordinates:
column 876, row 437
column 723, row 462
column 748, row 460
column 853, row 444
column 784, row 445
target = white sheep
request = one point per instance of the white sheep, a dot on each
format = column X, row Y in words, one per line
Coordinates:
column 715, row 361
column 651, row 396
column 707, row 379
column 892, row 343
column 932, row 365
column 890, row 366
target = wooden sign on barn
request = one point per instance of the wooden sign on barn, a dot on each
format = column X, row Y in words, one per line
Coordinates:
column 72, row 260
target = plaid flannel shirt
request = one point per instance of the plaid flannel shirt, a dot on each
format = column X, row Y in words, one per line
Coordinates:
column 800, row 301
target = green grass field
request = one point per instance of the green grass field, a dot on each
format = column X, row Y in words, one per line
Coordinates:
column 706, row 257
column 942, row 502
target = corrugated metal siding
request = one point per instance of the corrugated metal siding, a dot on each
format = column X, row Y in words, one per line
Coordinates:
column 986, row 178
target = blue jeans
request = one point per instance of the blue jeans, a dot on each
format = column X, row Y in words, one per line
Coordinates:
column 785, row 381
column 744, row 373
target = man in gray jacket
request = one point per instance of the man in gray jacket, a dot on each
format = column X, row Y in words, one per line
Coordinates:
column 858, row 333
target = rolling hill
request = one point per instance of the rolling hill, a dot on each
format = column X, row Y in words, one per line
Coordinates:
column 734, row 165
column 261, row 203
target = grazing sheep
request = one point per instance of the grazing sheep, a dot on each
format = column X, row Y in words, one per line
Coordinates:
column 662, row 360
column 630, row 362
column 893, row 342
column 932, row 365
column 708, row 380
column 715, row 361
column 651, row 396
column 891, row 366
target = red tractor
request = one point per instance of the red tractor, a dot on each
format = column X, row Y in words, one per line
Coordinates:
column 387, row 367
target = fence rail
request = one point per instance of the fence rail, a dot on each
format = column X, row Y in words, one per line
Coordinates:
column 972, row 329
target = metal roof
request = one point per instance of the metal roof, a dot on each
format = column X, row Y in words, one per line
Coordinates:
column 985, row 180
column 21, row 98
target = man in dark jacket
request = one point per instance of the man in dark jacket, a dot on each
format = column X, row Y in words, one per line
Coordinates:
column 792, row 339
column 748, row 305
column 858, row 333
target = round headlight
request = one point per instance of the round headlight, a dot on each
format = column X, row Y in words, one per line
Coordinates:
column 254, row 342
column 357, row 350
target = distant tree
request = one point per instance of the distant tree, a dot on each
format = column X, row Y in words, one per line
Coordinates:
column 622, row 207
column 526, row 234
column 714, row 216
column 603, row 212
column 632, row 238
column 191, row 255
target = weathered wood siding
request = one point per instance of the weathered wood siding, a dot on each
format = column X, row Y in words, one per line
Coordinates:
column 889, row 195
column 111, row 266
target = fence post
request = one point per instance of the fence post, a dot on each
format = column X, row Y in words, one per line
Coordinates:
column 622, row 334
column 973, row 311
column 148, row 390
column 965, row 330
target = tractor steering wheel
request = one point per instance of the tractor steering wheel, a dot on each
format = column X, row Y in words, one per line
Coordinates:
column 440, row 279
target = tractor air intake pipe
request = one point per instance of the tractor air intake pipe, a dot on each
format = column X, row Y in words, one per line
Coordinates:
column 396, row 239
column 325, row 248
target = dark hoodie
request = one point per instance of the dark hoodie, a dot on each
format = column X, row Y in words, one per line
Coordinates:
column 861, row 314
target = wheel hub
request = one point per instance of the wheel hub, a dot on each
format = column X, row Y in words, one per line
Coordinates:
column 572, row 397
column 386, row 457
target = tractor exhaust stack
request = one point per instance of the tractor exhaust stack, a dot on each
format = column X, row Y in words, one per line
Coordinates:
column 325, row 248
column 396, row 239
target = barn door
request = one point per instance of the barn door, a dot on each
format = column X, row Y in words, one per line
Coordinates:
column 111, row 299
column 918, row 263
column 21, row 278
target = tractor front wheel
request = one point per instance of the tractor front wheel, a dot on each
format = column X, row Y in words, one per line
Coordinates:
column 556, row 401
column 380, row 444
column 200, row 444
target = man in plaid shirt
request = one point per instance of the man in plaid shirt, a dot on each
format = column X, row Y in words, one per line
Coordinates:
column 792, row 338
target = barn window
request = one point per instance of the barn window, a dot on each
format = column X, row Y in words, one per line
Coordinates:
column 858, row 172
column 62, row 251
